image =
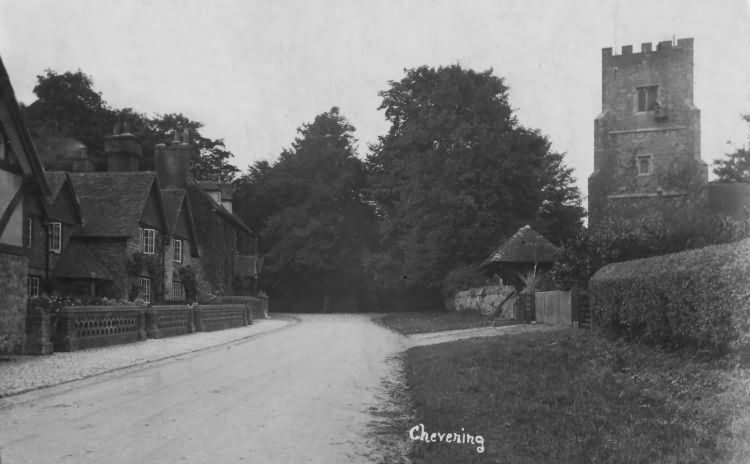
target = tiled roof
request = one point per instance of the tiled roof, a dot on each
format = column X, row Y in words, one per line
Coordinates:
column 56, row 180
column 525, row 246
column 173, row 201
column 221, row 211
column 78, row 262
column 112, row 203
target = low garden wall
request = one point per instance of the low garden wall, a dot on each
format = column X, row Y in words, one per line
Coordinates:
column 169, row 320
column 495, row 300
column 258, row 305
column 221, row 316
column 694, row 298
column 70, row 328
column 80, row 327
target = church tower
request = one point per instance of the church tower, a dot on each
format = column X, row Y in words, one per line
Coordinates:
column 647, row 136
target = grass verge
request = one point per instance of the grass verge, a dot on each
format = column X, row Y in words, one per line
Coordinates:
column 573, row 396
column 421, row 322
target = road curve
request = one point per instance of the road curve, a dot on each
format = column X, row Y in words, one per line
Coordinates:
column 301, row 394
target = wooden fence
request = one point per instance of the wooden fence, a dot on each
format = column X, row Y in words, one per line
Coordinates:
column 563, row 308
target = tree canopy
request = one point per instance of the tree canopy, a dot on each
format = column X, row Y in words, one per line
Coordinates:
column 735, row 167
column 309, row 206
column 456, row 173
column 68, row 105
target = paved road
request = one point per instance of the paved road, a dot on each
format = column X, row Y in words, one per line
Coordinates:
column 301, row 394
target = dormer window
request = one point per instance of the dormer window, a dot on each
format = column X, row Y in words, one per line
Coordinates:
column 645, row 165
column 647, row 98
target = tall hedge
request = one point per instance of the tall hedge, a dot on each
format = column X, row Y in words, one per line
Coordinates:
column 697, row 298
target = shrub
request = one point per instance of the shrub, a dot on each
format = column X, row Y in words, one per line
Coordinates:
column 697, row 298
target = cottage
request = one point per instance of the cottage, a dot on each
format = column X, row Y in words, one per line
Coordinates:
column 23, row 187
column 180, row 258
column 49, row 232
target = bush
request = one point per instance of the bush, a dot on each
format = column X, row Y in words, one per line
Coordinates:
column 697, row 298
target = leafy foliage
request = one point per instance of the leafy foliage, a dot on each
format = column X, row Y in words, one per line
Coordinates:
column 696, row 298
column 455, row 172
column 309, row 207
column 67, row 105
column 736, row 166
column 681, row 226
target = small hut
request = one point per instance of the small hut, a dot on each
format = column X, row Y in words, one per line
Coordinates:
column 525, row 252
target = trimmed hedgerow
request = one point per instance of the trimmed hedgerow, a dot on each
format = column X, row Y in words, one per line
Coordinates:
column 697, row 298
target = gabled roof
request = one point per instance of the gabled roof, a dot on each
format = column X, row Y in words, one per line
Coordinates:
column 525, row 246
column 78, row 262
column 112, row 203
column 174, row 204
column 33, row 165
column 220, row 210
column 57, row 180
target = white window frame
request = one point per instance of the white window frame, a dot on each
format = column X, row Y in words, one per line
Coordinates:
column 177, row 245
column 650, row 164
column 54, row 231
column 149, row 241
column 644, row 88
column 29, row 231
column 144, row 283
column 178, row 290
column 33, row 285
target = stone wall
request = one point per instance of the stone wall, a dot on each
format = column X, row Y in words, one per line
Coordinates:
column 13, row 297
column 487, row 300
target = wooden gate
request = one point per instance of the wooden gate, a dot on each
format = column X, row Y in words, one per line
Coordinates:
column 555, row 308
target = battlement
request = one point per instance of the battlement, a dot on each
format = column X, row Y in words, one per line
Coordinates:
column 665, row 48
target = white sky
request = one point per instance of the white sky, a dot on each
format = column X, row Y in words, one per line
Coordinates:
column 253, row 71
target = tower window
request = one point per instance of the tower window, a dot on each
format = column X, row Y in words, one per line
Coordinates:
column 647, row 97
column 644, row 164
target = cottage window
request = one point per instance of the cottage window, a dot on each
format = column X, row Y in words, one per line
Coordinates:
column 55, row 237
column 32, row 286
column 144, row 284
column 645, row 165
column 29, row 231
column 149, row 241
column 177, row 250
column 647, row 97
column 178, row 291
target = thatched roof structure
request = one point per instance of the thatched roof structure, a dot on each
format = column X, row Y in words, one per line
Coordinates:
column 525, row 247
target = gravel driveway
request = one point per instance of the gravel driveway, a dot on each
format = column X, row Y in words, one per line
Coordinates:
column 306, row 393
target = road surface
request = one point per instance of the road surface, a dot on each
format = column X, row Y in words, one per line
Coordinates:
column 301, row 394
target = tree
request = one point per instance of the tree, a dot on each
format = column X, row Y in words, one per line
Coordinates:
column 736, row 166
column 314, row 223
column 456, row 173
column 67, row 105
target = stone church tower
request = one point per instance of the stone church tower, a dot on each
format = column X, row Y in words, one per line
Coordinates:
column 647, row 137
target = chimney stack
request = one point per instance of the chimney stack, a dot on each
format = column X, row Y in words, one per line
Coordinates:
column 122, row 149
column 173, row 161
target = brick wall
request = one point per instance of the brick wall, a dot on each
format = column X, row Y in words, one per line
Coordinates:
column 13, row 271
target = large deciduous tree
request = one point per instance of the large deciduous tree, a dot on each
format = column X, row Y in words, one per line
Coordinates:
column 308, row 204
column 68, row 105
column 456, row 173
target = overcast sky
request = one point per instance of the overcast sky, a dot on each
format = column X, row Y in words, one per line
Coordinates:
column 253, row 71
